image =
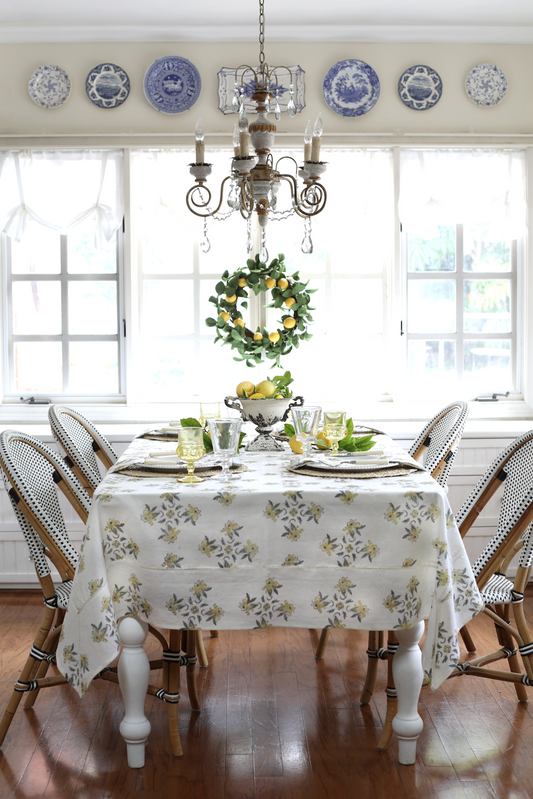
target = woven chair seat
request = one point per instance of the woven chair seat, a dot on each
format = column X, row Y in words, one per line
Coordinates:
column 498, row 591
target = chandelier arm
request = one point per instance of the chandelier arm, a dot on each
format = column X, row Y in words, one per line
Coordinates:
column 190, row 195
column 317, row 206
column 292, row 181
column 247, row 200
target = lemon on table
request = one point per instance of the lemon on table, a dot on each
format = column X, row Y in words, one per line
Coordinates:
column 257, row 395
column 296, row 446
column 245, row 386
column 289, row 302
column 323, row 438
column 289, row 322
column 283, row 283
column 239, row 322
column 266, row 388
column 231, row 299
column 270, row 282
column 274, row 337
column 224, row 315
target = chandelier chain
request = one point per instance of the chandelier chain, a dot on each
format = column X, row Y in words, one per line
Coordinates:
column 261, row 32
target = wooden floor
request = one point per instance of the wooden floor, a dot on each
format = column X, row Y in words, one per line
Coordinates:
column 275, row 724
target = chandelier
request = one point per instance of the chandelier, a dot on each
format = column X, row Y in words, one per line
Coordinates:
column 254, row 181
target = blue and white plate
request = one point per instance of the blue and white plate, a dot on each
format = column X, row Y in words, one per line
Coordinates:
column 49, row 86
column 172, row 84
column 351, row 88
column 420, row 87
column 486, row 85
column 107, row 86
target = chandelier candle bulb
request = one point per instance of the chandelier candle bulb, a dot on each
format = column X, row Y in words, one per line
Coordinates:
column 308, row 137
column 199, row 133
column 236, row 141
column 317, row 139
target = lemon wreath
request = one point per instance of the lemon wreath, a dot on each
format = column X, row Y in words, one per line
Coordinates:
column 288, row 294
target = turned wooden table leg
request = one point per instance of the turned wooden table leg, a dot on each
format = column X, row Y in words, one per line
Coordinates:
column 408, row 677
column 133, row 677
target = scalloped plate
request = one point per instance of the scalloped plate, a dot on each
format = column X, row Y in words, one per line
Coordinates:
column 107, row 86
column 420, row 87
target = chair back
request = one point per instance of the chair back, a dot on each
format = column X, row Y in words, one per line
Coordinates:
column 82, row 443
column 439, row 440
column 511, row 471
column 32, row 474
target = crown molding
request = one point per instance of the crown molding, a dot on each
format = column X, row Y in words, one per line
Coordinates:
column 401, row 34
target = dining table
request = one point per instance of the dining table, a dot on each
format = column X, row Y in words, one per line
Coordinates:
column 324, row 543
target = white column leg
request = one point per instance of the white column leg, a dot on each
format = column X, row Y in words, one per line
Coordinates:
column 133, row 677
column 408, row 677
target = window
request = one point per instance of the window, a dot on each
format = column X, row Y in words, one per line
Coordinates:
column 62, row 312
column 63, row 303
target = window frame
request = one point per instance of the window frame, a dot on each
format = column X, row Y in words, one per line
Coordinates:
column 11, row 396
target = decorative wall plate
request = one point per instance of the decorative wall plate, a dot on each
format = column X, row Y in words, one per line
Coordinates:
column 280, row 90
column 351, row 88
column 486, row 85
column 172, row 84
column 49, row 86
column 420, row 87
column 107, row 86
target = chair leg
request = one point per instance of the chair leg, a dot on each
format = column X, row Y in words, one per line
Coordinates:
column 375, row 643
column 50, row 645
column 30, row 667
column 190, row 670
column 467, row 640
column 202, row 656
column 172, row 677
column 214, row 633
column 321, row 648
column 392, row 699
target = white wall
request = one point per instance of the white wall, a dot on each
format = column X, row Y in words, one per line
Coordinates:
column 454, row 114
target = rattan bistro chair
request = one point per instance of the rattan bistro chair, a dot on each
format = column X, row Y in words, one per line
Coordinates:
column 436, row 444
column 81, row 443
column 32, row 475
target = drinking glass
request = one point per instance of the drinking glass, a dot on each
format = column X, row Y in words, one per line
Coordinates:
column 305, row 420
column 335, row 428
column 209, row 410
column 225, row 438
column 334, row 433
column 190, row 449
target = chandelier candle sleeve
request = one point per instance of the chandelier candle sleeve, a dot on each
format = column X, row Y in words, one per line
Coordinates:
column 244, row 135
column 308, row 137
column 236, row 141
column 199, row 133
column 317, row 139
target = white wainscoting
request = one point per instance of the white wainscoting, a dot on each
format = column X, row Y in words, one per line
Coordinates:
column 474, row 456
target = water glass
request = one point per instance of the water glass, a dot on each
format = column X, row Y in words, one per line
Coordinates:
column 209, row 410
column 305, row 420
column 190, row 449
column 225, row 435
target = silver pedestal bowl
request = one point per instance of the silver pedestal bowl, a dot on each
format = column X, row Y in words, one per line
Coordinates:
column 264, row 413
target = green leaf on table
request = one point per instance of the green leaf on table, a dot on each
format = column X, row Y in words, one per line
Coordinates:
column 288, row 430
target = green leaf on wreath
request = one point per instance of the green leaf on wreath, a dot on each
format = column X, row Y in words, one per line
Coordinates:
column 210, row 322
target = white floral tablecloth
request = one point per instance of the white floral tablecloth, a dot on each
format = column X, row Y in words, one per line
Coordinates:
column 274, row 548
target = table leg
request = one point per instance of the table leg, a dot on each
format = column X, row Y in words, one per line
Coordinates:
column 408, row 677
column 133, row 677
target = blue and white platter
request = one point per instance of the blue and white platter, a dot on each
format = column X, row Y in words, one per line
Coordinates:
column 49, row 86
column 420, row 87
column 172, row 84
column 351, row 88
column 486, row 85
column 107, row 86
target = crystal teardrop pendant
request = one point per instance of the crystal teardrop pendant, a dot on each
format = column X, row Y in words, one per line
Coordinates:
column 263, row 255
column 277, row 112
column 236, row 102
column 272, row 199
column 307, row 242
column 234, row 200
column 205, row 244
column 291, row 108
column 249, row 242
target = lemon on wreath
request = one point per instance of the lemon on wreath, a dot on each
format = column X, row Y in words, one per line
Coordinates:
column 273, row 337
column 270, row 282
column 289, row 302
column 239, row 322
column 283, row 283
column 231, row 299
column 242, row 282
column 258, row 336
column 224, row 315
column 289, row 322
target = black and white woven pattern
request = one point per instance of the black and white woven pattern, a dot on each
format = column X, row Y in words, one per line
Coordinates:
column 514, row 468
column 498, row 591
column 444, row 432
column 77, row 436
column 33, row 470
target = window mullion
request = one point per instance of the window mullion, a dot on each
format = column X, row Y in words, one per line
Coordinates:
column 459, row 303
column 64, row 314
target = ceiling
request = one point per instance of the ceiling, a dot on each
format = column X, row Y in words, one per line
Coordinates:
column 460, row 21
